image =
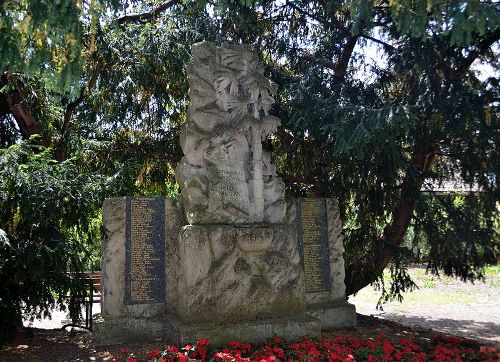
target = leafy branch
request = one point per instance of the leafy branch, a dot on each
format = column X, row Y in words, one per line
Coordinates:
column 148, row 15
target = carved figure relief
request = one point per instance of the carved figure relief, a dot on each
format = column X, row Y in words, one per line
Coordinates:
column 225, row 176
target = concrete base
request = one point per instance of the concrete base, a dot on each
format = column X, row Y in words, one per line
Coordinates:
column 255, row 331
column 120, row 330
column 334, row 316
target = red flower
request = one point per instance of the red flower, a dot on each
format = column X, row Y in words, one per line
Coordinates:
column 388, row 348
column 153, row 354
column 223, row 356
column 203, row 342
column 234, row 344
column 279, row 352
column 172, row 349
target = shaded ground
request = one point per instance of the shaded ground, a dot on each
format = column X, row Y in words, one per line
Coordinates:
column 444, row 304
column 59, row 345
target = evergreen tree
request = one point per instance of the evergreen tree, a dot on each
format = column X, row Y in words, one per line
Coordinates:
column 103, row 86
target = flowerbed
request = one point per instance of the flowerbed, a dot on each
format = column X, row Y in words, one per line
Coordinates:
column 338, row 348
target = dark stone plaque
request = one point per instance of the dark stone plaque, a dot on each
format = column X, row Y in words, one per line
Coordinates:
column 145, row 250
column 312, row 238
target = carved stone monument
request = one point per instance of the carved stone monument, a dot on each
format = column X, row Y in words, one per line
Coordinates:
column 225, row 176
column 248, row 269
column 231, row 259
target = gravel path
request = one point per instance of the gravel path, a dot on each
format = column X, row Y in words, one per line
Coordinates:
column 446, row 305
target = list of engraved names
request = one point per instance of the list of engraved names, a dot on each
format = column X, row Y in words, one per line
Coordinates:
column 311, row 210
column 144, row 269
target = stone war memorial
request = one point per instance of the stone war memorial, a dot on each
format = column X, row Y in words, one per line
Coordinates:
column 231, row 258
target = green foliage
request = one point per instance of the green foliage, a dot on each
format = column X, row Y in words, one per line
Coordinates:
column 360, row 140
column 459, row 232
column 45, row 242
column 50, row 39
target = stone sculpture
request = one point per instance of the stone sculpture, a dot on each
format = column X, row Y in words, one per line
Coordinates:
column 230, row 259
column 225, row 176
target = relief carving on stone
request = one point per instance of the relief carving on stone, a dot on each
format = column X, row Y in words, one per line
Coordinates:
column 225, row 176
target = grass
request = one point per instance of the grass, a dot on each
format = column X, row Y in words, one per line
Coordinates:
column 429, row 283
column 492, row 271
column 435, row 291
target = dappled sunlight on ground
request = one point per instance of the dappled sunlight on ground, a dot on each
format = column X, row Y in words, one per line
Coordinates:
column 444, row 304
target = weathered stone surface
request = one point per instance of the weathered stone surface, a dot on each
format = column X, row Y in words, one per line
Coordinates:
column 320, row 227
column 255, row 331
column 337, row 267
column 113, row 266
column 335, row 315
column 124, row 329
column 248, row 265
column 238, row 273
column 225, row 176
column 173, row 225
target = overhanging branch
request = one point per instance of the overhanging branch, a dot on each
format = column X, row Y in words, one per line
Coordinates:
column 148, row 15
column 71, row 107
column 324, row 62
column 378, row 41
column 15, row 103
column 340, row 67
column 482, row 46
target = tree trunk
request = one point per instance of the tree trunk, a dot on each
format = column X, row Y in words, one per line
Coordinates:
column 15, row 103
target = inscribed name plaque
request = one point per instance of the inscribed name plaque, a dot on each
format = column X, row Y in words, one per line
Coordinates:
column 312, row 239
column 145, row 250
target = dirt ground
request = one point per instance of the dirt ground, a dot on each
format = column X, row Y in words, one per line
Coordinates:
column 59, row 345
column 441, row 304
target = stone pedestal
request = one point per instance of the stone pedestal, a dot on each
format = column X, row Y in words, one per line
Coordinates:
column 162, row 279
column 138, row 279
column 318, row 228
column 255, row 331
column 239, row 273
column 240, row 282
column 235, row 261
column 121, row 330
column 334, row 316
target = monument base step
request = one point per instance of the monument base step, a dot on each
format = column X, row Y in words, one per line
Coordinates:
column 334, row 316
column 254, row 331
column 122, row 330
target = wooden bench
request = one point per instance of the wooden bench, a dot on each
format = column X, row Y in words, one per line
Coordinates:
column 92, row 282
